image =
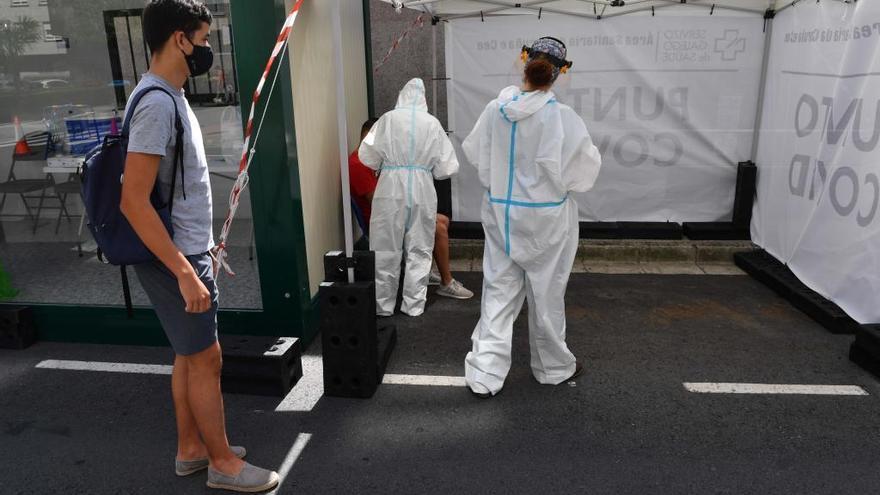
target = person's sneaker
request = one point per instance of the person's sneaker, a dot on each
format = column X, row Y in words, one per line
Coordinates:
column 480, row 390
column 250, row 479
column 454, row 290
column 434, row 278
column 186, row 468
column 578, row 371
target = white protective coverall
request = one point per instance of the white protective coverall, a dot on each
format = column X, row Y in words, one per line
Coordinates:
column 410, row 148
column 530, row 152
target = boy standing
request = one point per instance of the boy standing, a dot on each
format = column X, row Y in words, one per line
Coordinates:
column 180, row 283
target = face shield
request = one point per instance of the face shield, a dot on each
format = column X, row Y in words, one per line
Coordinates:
column 550, row 49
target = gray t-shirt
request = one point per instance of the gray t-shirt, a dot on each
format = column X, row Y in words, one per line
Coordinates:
column 152, row 132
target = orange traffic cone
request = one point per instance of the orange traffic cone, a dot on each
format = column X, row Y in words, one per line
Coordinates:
column 21, row 145
column 114, row 125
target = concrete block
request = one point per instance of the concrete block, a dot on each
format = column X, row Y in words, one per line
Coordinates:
column 667, row 252
column 671, row 268
column 719, row 252
column 460, row 265
column 614, row 268
column 721, row 269
column 620, row 252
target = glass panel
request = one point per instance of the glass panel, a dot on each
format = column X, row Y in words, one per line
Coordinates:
column 81, row 61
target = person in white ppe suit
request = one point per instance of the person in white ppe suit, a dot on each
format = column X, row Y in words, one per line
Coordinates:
column 531, row 152
column 409, row 148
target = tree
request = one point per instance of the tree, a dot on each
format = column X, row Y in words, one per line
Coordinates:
column 14, row 40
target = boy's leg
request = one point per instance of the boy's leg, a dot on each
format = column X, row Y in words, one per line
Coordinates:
column 195, row 379
column 206, row 403
column 441, row 248
column 189, row 442
column 441, row 256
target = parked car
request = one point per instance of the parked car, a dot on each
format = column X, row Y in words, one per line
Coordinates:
column 48, row 84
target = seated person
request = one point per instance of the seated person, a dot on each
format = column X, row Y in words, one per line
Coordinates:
column 363, row 181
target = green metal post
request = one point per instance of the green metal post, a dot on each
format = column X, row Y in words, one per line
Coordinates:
column 276, row 201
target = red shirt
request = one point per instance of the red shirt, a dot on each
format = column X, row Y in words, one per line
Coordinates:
column 363, row 183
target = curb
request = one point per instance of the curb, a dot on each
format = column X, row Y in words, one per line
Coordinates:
column 630, row 251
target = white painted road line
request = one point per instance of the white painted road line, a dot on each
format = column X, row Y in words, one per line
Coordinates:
column 424, row 380
column 147, row 369
column 778, row 389
column 308, row 390
column 295, row 451
column 302, row 398
column 306, row 394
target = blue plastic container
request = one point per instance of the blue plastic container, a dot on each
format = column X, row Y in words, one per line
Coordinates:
column 85, row 131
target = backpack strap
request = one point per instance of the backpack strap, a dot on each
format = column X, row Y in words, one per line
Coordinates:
column 179, row 133
column 177, row 161
column 126, row 292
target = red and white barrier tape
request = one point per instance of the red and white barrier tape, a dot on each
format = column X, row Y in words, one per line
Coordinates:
column 247, row 151
column 418, row 23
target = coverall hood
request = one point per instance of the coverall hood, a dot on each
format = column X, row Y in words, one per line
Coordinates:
column 517, row 105
column 413, row 93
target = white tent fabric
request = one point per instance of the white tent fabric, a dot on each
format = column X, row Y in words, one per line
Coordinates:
column 818, row 207
column 701, row 134
column 669, row 100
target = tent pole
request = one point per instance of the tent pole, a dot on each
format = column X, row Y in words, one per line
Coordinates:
column 533, row 6
column 636, row 2
column 641, row 9
column 475, row 14
column 368, row 55
column 562, row 12
column 516, row 5
column 420, row 3
column 673, row 3
column 789, row 4
column 760, row 113
column 343, row 132
column 434, row 68
column 709, row 5
column 792, row 3
column 504, row 6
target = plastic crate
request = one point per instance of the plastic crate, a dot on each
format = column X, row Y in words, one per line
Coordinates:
column 85, row 131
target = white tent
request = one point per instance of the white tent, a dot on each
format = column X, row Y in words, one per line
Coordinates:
column 663, row 54
column 675, row 93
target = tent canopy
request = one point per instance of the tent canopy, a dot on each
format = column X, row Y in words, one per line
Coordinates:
column 595, row 9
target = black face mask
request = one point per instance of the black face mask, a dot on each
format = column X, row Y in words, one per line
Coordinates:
column 200, row 60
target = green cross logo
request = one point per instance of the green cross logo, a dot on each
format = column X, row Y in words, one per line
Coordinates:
column 730, row 45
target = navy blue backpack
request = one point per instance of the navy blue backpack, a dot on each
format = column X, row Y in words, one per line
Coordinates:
column 102, row 176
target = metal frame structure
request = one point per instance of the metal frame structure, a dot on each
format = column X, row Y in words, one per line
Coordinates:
column 591, row 9
column 594, row 10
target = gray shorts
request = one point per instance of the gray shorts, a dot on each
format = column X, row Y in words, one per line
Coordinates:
column 189, row 333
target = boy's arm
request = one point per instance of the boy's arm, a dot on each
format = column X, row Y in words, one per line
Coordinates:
column 141, row 170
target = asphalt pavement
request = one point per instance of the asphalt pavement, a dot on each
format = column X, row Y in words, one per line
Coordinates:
column 627, row 426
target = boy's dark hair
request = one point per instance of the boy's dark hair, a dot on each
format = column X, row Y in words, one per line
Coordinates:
column 162, row 18
column 367, row 126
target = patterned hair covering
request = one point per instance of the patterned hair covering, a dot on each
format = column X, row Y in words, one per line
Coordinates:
column 552, row 50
